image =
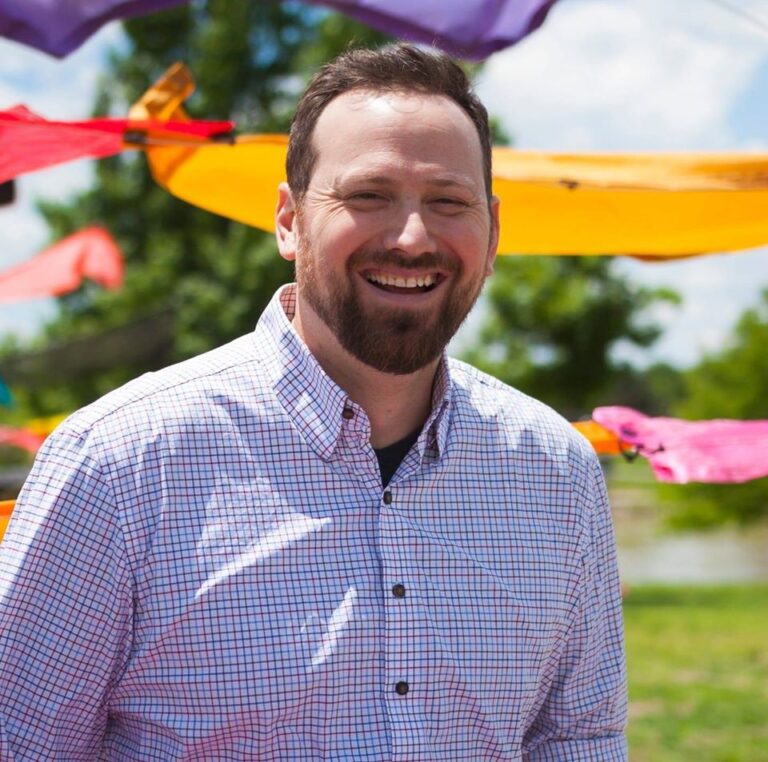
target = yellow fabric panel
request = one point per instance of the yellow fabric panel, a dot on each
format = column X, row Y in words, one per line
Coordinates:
column 647, row 171
column 237, row 181
column 541, row 216
column 655, row 206
column 44, row 426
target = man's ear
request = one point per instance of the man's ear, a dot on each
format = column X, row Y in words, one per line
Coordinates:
column 286, row 223
column 493, row 242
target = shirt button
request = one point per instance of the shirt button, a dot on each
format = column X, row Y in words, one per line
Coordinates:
column 387, row 497
column 401, row 688
column 398, row 590
column 348, row 413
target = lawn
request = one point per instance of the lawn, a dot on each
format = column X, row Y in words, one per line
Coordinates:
column 698, row 673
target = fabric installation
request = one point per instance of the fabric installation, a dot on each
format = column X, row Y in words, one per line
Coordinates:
column 654, row 206
column 470, row 28
column 622, row 216
column 29, row 142
column 716, row 451
column 90, row 253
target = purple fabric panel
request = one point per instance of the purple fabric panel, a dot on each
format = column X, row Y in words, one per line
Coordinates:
column 717, row 451
column 58, row 27
column 465, row 28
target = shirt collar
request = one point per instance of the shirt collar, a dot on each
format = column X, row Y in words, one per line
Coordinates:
column 315, row 403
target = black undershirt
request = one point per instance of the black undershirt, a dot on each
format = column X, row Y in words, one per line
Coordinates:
column 391, row 456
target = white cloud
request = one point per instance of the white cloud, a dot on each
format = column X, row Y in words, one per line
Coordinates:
column 613, row 75
column 57, row 89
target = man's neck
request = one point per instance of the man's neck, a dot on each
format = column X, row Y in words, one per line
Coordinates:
column 396, row 405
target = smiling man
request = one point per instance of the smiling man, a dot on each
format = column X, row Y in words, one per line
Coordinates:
column 326, row 540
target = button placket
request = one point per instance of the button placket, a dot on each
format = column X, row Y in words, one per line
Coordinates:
column 397, row 633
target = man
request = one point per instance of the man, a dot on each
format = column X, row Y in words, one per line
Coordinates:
column 326, row 541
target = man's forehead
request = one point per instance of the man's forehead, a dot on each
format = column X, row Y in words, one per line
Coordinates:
column 372, row 103
column 403, row 101
column 365, row 120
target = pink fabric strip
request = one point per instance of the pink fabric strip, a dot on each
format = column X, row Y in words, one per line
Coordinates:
column 718, row 451
column 22, row 438
column 89, row 253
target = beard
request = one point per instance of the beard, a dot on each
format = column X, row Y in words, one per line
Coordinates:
column 397, row 340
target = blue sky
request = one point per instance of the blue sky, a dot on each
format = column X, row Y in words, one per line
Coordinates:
column 600, row 75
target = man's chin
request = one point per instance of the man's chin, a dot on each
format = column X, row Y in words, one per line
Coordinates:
column 398, row 350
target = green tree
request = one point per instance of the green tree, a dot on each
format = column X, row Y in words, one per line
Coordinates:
column 552, row 322
column 208, row 276
column 731, row 383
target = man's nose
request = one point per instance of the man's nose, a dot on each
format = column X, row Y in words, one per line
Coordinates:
column 411, row 234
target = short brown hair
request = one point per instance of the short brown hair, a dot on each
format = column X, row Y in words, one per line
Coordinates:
column 394, row 68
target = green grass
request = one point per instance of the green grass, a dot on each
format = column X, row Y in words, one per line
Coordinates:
column 698, row 673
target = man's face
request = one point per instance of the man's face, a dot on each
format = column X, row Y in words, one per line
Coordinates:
column 394, row 236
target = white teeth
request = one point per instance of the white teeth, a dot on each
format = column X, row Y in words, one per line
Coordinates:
column 391, row 280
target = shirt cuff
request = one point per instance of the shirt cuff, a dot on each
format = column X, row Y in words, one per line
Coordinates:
column 604, row 749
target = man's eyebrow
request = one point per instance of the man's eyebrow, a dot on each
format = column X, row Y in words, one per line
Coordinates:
column 383, row 180
column 370, row 179
column 447, row 182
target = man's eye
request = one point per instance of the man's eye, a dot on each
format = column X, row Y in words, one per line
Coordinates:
column 367, row 196
column 450, row 203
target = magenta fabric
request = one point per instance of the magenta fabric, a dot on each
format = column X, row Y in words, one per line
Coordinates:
column 29, row 142
column 465, row 28
column 718, row 451
column 89, row 253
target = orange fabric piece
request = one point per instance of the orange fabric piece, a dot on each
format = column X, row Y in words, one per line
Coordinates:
column 6, row 509
column 604, row 441
column 89, row 253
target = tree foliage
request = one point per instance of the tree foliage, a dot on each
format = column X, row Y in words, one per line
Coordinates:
column 552, row 322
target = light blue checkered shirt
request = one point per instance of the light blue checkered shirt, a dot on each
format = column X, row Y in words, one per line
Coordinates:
column 203, row 565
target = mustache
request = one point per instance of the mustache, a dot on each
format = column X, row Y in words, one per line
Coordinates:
column 379, row 258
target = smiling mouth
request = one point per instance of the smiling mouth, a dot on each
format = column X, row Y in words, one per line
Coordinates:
column 399, row 285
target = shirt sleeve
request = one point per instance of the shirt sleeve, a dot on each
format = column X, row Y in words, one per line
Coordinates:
column 65, row 608
column 584, row 714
